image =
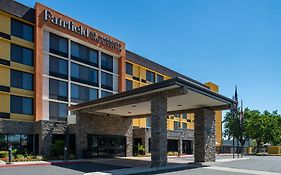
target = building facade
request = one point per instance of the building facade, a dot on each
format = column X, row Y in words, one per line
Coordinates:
column 49, row 61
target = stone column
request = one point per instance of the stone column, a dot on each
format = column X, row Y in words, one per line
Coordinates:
column 180, row 145
column 129, row 146
column 146, row 140
column 204, row 136
column 81, row 135
column 158, row 131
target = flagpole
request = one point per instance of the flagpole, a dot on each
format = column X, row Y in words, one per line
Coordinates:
column 235, row 111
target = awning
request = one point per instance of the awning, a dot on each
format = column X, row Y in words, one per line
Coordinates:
column 183, row 96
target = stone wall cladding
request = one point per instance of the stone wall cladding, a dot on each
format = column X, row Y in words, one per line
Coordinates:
column 45, row 129
column 205, row 139
column 104, row 125
column 187, row 134
column 16, row 127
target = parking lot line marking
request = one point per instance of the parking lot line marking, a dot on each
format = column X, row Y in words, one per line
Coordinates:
column 236, row 170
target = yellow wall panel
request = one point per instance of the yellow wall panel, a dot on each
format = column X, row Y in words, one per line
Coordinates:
column 22, row 67
column 22, row 117
column 4, row 76
column 142, row 122
column 136, row 70
column 22, row 42
column 5, row 24
column 218, row 128
column 4, row 102
column 213, row 87
column 136, row 84
column 22, row 92
column 4, row 50
column 136, row 122
column 142, row 73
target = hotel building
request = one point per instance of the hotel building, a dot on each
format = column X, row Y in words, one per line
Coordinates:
column 49, row 61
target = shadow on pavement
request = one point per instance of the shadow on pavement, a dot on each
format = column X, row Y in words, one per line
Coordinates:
column 108, row 164
column 87, row 167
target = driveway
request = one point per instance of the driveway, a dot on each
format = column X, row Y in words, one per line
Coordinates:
column 66, row 169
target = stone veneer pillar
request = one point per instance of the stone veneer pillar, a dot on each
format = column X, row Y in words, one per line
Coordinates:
column 81, row 136
column 204, row 136
column 180, row 145
column 158, row 131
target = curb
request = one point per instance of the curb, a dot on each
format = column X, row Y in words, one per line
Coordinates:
column 41, row 163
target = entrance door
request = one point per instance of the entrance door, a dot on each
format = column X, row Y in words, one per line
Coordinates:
column 187, row 147
column 106, row 145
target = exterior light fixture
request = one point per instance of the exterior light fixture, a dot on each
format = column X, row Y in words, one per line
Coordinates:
column 134, row 106
column 129, row 112
column 179, row 106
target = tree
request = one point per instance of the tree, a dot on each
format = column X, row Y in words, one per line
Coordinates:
column 233, row 127
column 263, row 127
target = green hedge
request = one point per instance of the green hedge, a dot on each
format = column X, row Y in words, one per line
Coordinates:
column 4, row 154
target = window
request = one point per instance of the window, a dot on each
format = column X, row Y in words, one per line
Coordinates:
column 184, row 125
column 129, row 68
column 184, row 116
column 105, row 94
column 106, row 62
column 84, row 54
column 129, row 85
column 81, row 94
column 3, row 142
column 57, row 111
column 58, row 45
column 84, row 74
column 177, row 115
column 159, row 78
column 176, row 125
column 150, row 76
column 58, row 90
column 21, row 142
column 21, row 80
column 23, row 105
column 106, row 81
column 22, row 30
column 21, row 55
column 58, row 67
column 148, row 122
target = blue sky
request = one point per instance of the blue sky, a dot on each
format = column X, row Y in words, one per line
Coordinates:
column 233, row 42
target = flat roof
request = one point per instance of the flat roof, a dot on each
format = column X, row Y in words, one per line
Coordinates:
column 145, row 62
column 183, row 96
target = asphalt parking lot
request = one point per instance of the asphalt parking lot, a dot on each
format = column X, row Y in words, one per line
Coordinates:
column 68, row 169
column 268, row 165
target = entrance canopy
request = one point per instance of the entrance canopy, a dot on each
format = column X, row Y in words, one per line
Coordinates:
column 158, row 100
column 183, row 96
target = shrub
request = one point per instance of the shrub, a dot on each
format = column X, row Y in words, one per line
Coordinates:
column 71, row 156
column 14, row 151
column 19, row 156
column 57, row 148
column 4, row 154
column 39, row 157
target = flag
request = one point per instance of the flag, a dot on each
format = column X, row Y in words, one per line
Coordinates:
column 241, row 113
column 236, row 94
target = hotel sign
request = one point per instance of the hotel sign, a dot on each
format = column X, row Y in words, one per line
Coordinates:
column 81, row 30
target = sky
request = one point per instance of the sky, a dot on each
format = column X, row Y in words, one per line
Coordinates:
column 228, row 42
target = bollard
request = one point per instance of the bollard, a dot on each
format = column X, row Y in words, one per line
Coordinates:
column 10, row 153
column 65, row 153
